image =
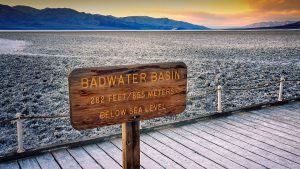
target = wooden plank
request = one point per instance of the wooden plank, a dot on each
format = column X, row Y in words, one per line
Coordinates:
column 271, row 121
column 29, row 163
column 278, row 111
column 163, row 140
column 289, row 106
column 159, row 157
column 280, row 119
column 256, row 140
column 131, row 144
column 101, row 157
column 281, row 116
column 234, row 148
column 146, row 162
column 65, row 160
column 297, row 110
column 47, row 161
column 169, row 152
column 83, row 158
column 112, row 151
column 269, row 125
column 100, row 96
column 9, row 165
column 266, row 129
column 183, row 150
column 259, row 135
column 297, row 103
column 284, row 112
column 264, row 150
column 216, row 154
column 291, row 113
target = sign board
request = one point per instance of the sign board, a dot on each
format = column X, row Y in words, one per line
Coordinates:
column 111, row 95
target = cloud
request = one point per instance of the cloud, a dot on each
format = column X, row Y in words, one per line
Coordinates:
column 222, row 13
column 274, row 5
column 276, row 10
column 261, row 10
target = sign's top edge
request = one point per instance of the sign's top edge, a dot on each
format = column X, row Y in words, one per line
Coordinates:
column 76, row 70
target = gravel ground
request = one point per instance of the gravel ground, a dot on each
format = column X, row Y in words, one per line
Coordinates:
column 35, row 66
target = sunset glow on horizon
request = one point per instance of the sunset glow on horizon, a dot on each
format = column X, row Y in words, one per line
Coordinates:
column 210, row 13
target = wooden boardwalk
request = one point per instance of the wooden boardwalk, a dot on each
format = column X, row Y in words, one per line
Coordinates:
column 267, row 138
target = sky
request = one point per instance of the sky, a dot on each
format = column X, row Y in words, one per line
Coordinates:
column 210, row 13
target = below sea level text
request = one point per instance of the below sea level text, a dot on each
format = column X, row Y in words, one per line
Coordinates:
column 136, row 110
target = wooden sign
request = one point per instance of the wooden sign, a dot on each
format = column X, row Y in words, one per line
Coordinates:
column 111, row 95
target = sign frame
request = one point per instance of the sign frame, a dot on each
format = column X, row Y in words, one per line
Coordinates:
column 173, row 85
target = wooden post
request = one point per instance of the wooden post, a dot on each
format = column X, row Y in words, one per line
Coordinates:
column 19, row 134
column 131, row 145
column 219, row 101
column 280, row 88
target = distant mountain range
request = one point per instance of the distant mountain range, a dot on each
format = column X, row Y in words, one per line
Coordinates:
column 28, row 18
column 295, row 25
column 268, row 24
column 272, row 25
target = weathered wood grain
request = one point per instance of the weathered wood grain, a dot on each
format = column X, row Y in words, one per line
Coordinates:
column 234, row 148
column 111, row 95
column 169, row 152
column 279, row 115
column 217, row 154
column 131, row 145
column 47, row 161
column 207, row 161
column 271, row 121
column 264, row 150
column 292, row 113
column 29, row 163
column 159, row 157
column 112, row 151
column 270, row 125
column 263, row 136
column 65, row 160
column 295, row 105
column 101, row 157
column 266, row 129
column 9, row 165
column 279, row 119
column 146, row 162
column 285, row 113
column 288, row 106
column 83, row 158
column 188, row 153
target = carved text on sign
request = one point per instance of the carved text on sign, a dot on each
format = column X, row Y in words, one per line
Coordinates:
column 111, row 95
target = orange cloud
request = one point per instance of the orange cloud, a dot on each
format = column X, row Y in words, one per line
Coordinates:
column 274, row 5
column 260, row 10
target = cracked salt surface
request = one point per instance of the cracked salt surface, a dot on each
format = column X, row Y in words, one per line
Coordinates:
column 35, row 67
column 8, row 46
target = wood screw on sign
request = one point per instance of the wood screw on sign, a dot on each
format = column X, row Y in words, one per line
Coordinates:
column 126, row 95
